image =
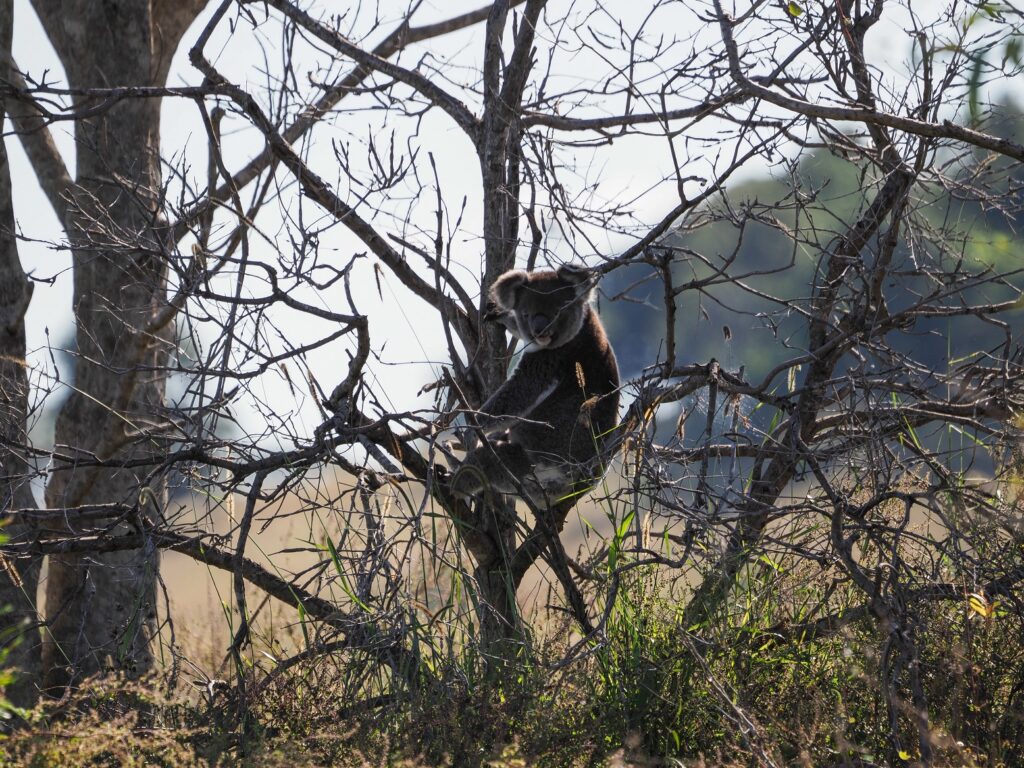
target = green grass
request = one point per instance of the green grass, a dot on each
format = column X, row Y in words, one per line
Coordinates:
column 737, row 690
column 650, row 692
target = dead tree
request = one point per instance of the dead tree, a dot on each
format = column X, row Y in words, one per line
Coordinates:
column 822, row 455
column 19, row 579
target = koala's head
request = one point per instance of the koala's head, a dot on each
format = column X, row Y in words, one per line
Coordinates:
column 547, row 308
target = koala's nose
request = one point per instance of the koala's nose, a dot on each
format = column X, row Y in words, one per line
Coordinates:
column 539, row 324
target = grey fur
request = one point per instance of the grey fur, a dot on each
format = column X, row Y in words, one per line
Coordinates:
column 544, row 426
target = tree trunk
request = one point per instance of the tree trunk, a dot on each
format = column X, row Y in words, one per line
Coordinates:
column 19, row 632
column 102, row 608
column 502, row 634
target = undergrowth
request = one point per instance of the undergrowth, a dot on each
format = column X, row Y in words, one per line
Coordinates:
column 732, row 692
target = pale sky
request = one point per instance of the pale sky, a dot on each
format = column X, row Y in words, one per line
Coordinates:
column 414, row 343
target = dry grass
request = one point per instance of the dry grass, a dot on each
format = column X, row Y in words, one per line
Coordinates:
column 640, row 700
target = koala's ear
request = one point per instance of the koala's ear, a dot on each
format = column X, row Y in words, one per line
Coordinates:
column 581, row 278
column 572, row 273
column 506, row 287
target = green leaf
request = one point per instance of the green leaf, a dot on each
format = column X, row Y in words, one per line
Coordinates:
column 795, row 10
column 1013, row 52
column 302, row 623
column 973, row 89
column 769, row 562
column 620, row 532
column 978, row 603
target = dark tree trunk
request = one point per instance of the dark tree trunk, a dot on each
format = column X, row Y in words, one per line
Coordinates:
column 102, row 608
column 19, row 632
column 502, row 634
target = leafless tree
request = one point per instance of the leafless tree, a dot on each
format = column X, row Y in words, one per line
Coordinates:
column 20, row 579
column 833, row 453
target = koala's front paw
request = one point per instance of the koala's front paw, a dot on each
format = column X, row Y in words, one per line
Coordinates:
column 467, row 482
column 468, row 439
column 546, row 485
column 552, row 479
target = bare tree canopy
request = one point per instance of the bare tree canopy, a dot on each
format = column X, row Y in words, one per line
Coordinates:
column 801, row 219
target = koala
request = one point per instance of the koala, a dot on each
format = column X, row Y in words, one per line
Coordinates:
column 545, row 426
